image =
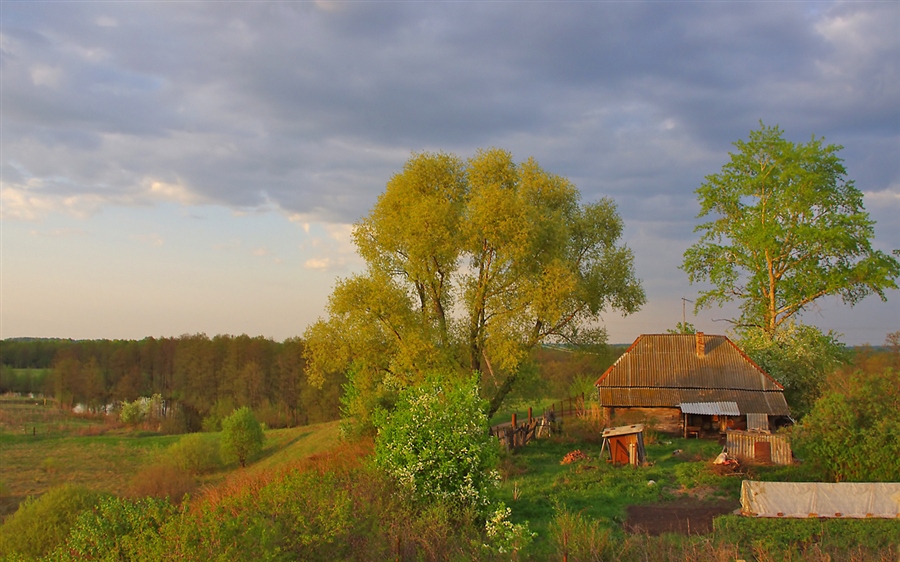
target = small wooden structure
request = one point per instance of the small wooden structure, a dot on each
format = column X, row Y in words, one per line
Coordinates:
column 626, row 444
column 758, row 447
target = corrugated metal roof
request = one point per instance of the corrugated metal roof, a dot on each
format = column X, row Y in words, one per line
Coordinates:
column 665, row 370
column 710, row 408
column 623, row 430
column 671, row 361
column 772, row 403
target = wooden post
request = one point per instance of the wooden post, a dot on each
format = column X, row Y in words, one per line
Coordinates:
column 529, row 415
column 514, row 420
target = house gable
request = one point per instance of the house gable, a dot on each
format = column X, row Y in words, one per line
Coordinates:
column 664, row 370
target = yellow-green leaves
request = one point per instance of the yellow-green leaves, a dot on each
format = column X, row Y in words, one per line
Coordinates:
column 470, row 265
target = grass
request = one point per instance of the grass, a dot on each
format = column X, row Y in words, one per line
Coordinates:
column 535, row 481
column 42, row 447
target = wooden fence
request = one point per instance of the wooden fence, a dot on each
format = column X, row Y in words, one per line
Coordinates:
column 517, row 434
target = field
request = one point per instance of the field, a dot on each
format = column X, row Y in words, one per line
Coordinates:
column 42, row 447
column 674, row 508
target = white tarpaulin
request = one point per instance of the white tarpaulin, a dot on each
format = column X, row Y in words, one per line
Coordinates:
column 818, row 499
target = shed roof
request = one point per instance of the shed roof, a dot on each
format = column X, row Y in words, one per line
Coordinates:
column 666, row 370
column 710, row 408
column 623, row 430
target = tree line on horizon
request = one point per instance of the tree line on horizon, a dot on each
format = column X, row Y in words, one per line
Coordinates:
column 207, row 378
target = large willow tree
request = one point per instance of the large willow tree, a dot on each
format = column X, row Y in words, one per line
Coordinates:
column 470, row 265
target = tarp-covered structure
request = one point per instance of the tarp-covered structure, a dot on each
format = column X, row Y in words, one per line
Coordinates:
column 820, row 499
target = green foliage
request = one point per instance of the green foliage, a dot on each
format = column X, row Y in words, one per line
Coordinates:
column 798, row 356
column 141, row 410
column 785, row 534
column 853, row 433
column 509, row 246
column 242, row 436
column 119, row 529
column 788, row 228
column 437, row 447
column 196, row 453
column 578, row 537
column 42, row 523
column 682, row 328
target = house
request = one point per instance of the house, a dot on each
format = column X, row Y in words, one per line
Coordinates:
column 690, row 384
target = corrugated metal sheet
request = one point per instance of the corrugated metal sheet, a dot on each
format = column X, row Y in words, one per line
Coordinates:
column 757, row 421
column 710, row 408
column 772, row 403
column 742, row 445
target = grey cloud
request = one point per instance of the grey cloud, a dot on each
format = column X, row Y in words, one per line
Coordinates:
column 311, row 109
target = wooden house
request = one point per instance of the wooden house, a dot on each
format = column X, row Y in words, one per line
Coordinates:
column 690, row 384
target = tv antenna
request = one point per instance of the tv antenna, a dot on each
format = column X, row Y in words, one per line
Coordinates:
column 683, row 317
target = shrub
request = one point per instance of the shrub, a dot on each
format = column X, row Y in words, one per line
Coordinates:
column 853, row 434
column 436, row 444
column 196, row 453
column 40, row 524
column 119, row 529
column 162, row 481
column 242, row 436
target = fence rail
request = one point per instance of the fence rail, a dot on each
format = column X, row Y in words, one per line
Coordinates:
column 514, row 434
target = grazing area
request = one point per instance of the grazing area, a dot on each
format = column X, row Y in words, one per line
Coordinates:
column 45, row 447
column 310, row 495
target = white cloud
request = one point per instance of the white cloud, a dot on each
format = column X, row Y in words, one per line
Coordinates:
column 42, row 75
column 319, row 263
column 886, row 197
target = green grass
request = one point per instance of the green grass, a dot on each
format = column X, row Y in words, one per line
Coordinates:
column 535, row 481
column 83, row 450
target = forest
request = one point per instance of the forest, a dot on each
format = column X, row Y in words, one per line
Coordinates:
column 199, row 377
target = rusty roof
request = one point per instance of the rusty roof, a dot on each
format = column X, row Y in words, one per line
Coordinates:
column 664, row 370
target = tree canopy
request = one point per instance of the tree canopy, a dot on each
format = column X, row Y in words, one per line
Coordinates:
column 470, row 265
column 787, row 228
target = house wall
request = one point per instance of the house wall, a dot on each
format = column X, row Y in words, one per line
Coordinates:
column 665, row 420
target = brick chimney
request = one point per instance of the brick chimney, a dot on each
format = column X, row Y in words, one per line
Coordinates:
column 701, row 345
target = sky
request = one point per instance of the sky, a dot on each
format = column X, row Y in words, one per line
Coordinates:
column 182, row 167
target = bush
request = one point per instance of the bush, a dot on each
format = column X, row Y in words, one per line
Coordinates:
column 242, row 436
column 196, row 453
column 40, row 524
column 436, row 445
column 162, row 481
column 853, row 434
column 119, row 530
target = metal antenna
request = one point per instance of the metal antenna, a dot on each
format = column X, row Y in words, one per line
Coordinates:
column 683, row 317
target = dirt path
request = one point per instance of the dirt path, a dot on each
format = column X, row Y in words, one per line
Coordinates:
column 684, row 517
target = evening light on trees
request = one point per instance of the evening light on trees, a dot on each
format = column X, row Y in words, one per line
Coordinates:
column 470, row 265
column 786, row 229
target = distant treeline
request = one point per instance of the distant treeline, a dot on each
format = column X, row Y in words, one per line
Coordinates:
column 206, row 377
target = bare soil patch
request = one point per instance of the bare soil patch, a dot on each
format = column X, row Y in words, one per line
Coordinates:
column 684, row 517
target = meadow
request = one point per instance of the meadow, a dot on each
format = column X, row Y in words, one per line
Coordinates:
column 585, row 510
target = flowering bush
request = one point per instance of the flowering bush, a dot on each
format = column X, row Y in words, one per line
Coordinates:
column 436, row 444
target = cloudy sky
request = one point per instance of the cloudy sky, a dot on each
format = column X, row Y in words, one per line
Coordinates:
column 181, row 167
